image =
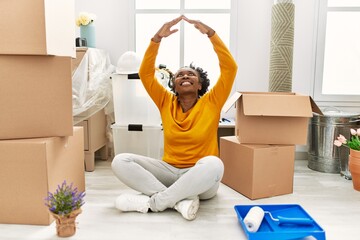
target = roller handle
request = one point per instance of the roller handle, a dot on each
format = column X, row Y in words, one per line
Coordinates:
column 297, row 221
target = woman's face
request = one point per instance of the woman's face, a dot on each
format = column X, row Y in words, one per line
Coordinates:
column 187, row 81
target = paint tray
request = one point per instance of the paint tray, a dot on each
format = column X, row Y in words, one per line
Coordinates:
column 271, row 230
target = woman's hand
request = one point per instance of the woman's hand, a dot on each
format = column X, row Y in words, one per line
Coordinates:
column 203, row 28
column 166, row 30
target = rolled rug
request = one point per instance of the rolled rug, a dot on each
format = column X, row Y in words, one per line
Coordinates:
column 281, row 47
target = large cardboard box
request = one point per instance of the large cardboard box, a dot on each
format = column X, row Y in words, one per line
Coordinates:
column 30, row 168
column 35, row 96
column 255, row 170
column 272, row 118
column 37, row 27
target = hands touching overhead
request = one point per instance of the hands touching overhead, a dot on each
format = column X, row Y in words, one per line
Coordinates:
column 166, row 30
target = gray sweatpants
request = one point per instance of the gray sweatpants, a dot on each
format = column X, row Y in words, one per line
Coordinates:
column 166, row 184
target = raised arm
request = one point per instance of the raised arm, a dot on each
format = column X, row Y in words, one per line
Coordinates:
column 166, row 30
column 147, row 68
column 228, row 66
column 203, row 28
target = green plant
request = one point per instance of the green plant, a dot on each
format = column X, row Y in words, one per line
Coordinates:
column 352, row 143
column 65, row 199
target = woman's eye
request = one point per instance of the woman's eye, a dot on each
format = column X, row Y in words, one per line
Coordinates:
column 190, row 74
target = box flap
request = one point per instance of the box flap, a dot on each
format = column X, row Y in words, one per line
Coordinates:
column 315, row 107
column 231, row 101
column 290, row 105
column 277, row 106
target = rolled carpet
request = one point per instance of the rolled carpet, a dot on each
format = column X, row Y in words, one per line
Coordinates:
column 281, row 47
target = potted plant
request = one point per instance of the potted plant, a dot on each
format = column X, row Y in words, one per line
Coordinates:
column 354, row 158
column 65, row 205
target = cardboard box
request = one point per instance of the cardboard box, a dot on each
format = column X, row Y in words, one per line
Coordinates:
column 95, row 127
column 37, row 27
column 75, row 62
column 30, row 168
column 35, row 96
column 272, row 118
column 257, row 171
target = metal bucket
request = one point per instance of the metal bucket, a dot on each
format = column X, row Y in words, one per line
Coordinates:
column 323, row 155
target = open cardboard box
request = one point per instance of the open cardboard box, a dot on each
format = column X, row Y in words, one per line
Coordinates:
column 272, row 118
column 257, row 170
column 30, row 168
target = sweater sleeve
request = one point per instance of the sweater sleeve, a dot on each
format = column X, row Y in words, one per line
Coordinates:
column 147, row 75
column 228, row 70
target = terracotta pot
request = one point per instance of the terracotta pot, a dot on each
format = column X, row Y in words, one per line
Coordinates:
column 354, row 167
column 65, row 225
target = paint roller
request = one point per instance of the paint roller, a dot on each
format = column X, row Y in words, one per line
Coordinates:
column 256, row 214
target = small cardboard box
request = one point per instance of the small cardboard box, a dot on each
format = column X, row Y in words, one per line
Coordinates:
column 272, row 118
column 35, row 96
column 257, row 171
column 37, row 27
column 30, row 168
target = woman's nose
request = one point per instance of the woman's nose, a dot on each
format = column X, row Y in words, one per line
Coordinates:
column 185, row 76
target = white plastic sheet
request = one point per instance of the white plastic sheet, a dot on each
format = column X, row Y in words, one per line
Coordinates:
column 91, row 82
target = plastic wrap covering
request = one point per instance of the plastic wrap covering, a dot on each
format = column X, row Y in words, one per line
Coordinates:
column 92, row 88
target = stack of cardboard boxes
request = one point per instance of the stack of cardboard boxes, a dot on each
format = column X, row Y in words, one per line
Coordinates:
column 259, row 159
column 39, row 147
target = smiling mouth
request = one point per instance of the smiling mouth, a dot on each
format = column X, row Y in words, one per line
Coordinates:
column 186, row 83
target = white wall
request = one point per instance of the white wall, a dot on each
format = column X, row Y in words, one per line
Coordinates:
column 112, row 24
column 253, row 37
column 253, row 52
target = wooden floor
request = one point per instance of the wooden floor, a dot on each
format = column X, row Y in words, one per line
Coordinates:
column 328, row 198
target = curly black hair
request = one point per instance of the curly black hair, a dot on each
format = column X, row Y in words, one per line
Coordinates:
column 205, row 82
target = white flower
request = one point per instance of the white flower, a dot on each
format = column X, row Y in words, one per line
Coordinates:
column 85, row 18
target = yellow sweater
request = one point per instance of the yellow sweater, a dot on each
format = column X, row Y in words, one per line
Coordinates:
column 191, row 135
